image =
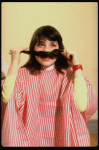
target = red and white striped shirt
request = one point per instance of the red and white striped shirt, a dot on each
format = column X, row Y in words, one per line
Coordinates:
column 42, row 111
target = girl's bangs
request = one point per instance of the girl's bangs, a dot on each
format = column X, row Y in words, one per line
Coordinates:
column 41, row 37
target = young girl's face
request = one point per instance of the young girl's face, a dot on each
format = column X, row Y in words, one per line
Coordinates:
column 48, row 46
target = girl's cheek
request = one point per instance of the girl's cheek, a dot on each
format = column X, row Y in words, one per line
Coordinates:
column 37, row 58
column 36, row 48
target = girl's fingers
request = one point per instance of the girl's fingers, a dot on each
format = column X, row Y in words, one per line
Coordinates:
column 25, row 49
column 66, row 54
column 18, row 49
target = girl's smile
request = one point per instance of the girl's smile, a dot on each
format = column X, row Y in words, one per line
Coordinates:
column 46, row 59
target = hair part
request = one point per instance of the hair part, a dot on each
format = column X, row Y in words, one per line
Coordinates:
column 47, row 32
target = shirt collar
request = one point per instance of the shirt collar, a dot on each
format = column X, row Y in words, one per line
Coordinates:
column 50, row 67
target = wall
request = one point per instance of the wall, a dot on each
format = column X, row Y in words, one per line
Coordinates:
column 76, row 21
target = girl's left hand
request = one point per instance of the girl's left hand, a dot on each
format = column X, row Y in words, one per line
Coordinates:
column 67, row 54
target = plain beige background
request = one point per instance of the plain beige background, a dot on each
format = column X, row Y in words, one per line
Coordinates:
column 76, row 21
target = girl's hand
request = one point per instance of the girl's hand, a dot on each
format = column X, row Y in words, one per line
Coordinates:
column 15, row 54
column 68, row 54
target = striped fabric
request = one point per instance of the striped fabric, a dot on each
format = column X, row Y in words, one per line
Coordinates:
column 42, row 112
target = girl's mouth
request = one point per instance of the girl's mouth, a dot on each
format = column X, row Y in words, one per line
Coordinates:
column 46, row 59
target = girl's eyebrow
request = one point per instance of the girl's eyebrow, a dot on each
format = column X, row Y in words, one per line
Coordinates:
column 41, row 41
column 55, row 42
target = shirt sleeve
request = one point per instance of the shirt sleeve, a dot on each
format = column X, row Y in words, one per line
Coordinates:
column 8, row 87
column 92, row 105
column 80, row 91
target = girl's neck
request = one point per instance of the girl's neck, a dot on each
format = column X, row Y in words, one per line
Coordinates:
column 48, row 68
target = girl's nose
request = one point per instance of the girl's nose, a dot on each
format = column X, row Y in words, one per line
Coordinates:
column 47, row 49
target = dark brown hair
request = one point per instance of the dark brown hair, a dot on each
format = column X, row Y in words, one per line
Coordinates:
column 52, row 34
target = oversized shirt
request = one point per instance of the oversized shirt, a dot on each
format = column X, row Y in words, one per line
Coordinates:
column 42, row 111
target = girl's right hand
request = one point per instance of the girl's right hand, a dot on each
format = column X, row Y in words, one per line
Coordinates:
column 15, row 54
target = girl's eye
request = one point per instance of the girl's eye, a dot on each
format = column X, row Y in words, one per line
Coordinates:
column 40, row 44
column 53, row 45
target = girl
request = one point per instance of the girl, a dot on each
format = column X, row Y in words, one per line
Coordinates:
column 48, row 101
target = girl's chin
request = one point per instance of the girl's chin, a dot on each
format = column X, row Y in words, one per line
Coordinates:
column 46, row 65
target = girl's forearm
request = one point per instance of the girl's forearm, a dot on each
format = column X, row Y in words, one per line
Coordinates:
column 13, row 69
column 77, row 73
column 9, row 82
column 79, row 87
column 80, row 91
column 8, row 87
